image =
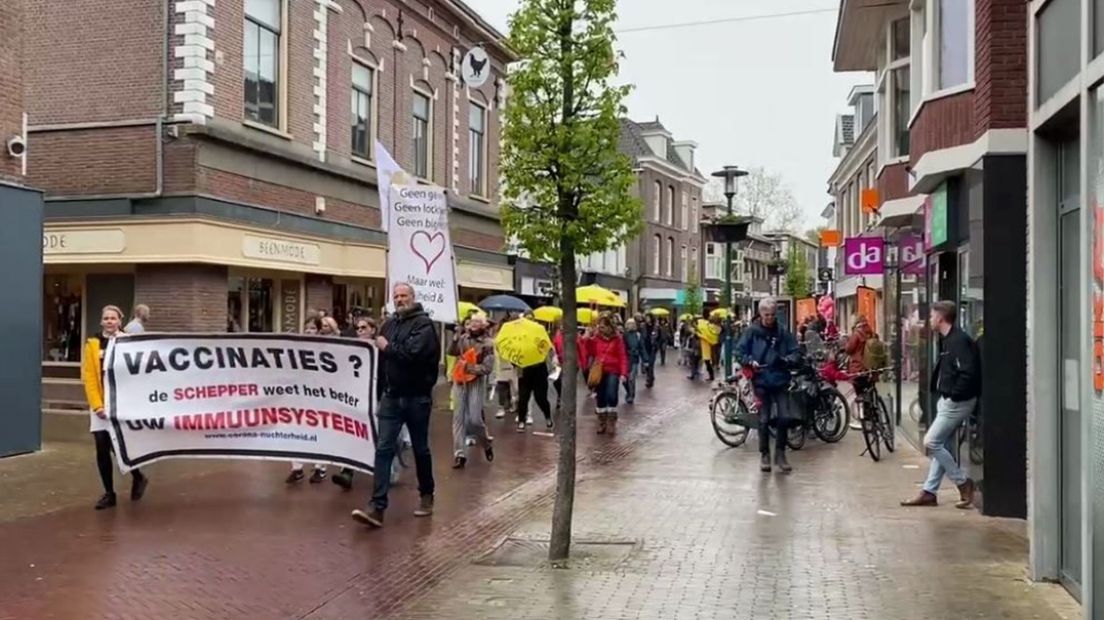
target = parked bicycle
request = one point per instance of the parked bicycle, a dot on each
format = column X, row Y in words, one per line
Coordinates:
column 825, row 410
column 876, row 423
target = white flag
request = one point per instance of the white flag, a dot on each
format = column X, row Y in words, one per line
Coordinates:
column 386, row 167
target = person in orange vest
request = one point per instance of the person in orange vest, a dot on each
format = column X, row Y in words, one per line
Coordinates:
column 474, row 351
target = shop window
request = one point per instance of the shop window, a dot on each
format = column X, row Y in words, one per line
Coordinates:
column 235, row 305
column 261, row 305
column 355, row 299
column 61, row 320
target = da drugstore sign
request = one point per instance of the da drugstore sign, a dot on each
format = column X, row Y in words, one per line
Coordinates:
column 864, row 256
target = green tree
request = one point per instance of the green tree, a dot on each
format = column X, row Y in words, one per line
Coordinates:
column 797, row 273
column 693, row 298
column 567, row 188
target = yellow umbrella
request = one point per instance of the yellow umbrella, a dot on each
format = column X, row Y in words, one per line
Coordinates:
column 720, row 313
column 548, row 314
column 586, row 316
column 686, row 317
column 594, row 294
column 660, row 312
column 708, row 332
column 466, row 308
column 523, row 343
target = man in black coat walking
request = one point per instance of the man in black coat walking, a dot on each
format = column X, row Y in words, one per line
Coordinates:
column 408, row 367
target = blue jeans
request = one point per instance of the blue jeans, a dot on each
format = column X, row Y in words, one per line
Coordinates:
column 607, row 393
column 394, row 412
column 949, row 415
column 630, row 383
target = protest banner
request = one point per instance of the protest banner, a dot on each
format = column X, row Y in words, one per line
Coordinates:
column 419, row 247
column 386, row 167
column 251, row 396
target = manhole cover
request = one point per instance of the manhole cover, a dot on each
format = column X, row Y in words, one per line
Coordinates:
column 585, row 554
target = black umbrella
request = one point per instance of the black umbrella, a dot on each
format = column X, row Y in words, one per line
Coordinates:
column 505, row 303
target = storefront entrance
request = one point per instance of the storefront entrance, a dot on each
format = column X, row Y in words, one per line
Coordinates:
column 1069, row 243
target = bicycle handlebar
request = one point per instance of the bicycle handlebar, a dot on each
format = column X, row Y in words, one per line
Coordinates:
column 867, row 373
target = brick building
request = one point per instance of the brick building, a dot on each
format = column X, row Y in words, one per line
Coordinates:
column 216, row 161
column 20, row 253
column 951, row 85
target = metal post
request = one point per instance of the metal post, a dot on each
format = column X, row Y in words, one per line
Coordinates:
column 728, row 301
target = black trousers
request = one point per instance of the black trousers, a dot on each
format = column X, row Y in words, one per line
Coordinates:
column 772, row 401
column 104, row 463
column 533, row 383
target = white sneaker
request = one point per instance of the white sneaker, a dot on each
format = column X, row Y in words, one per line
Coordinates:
column 529, row 420
column 501, row 414
column 470, row 441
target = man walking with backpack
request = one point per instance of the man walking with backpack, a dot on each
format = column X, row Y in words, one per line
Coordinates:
column 956, row 379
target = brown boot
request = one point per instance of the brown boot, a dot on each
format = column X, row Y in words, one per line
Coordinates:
column 611, row 425
column 966, row 495
column 923, row 499
column 601, row 422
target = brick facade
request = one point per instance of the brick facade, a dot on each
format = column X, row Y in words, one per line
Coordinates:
column 11, row 85
column 118, row 64
column 183, row 297
column 1001, row 65
column 942, row 124
column 893, row 182
column 642, row 263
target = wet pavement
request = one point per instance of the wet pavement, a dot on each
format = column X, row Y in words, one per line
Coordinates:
column 670, row 524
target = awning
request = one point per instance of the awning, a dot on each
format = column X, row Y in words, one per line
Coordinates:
column 487, row 277
column 659, row 294
column 196, row 240
column 899, row 213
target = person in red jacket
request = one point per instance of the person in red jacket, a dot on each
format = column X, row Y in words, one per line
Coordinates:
column 607, row 348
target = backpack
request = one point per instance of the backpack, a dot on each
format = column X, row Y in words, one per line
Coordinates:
column 875, row 355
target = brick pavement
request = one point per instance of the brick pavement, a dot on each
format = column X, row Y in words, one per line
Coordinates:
column 230, row 540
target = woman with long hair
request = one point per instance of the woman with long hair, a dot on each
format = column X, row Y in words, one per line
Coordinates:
column 606, row 349
column 92, row 374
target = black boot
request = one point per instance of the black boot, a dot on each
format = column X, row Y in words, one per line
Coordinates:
column 782, row 463
column 765, row 462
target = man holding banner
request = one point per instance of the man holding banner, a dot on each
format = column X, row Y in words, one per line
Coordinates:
column 409, row 357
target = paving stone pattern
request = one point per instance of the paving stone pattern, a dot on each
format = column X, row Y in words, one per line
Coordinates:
column 708, row 536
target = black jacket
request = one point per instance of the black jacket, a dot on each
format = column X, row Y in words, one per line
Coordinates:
column 957, row 373
column 409, row 365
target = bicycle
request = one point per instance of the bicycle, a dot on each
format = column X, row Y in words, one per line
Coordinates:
column 826, row 411
column 877, row 425
column 734, row 410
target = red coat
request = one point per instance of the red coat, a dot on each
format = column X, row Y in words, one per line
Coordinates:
column 610, row 352
column 558, row 345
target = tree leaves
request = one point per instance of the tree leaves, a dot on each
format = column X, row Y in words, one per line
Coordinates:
column 563, row 172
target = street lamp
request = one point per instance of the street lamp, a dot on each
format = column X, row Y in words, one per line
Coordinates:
column 729, row 174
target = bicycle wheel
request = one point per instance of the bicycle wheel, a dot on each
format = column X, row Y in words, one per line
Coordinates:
column 886, row 422
column 796, row 436
column 725, row 410
column 870, row 433
column 832, row 416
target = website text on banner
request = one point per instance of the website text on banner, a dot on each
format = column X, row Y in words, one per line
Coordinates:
column 419, row 248
column 258, row 396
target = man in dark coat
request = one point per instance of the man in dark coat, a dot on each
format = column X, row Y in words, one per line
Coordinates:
column 770, row 349
column 409, row 354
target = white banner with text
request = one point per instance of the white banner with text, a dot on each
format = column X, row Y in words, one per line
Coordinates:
column 252, row 396
column 419, row 249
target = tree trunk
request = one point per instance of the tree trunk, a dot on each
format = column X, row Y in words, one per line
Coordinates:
column 560, row 546
column 568, row 211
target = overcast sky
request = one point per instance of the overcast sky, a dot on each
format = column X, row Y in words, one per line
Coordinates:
column 751, row 93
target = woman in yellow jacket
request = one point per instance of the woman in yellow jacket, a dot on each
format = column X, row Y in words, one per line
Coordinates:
column 111, row 318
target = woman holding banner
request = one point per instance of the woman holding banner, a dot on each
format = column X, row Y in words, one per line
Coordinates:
column 92, row 374
column 312, row 327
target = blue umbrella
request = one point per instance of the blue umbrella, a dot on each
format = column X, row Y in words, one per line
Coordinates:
column 504, row 303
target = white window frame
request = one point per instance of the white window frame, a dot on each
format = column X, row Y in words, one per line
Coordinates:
column 684, row 263
column 669, row 264
column 669, row 215
column 480, row 191
column 280, row 128
column 429, row 135
column 684, row 212
column 373, row 110
column 925, row 54
column 887, row 97
column 694, row 222
column 657, row 203
column 711, row 270
column 657, row 252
